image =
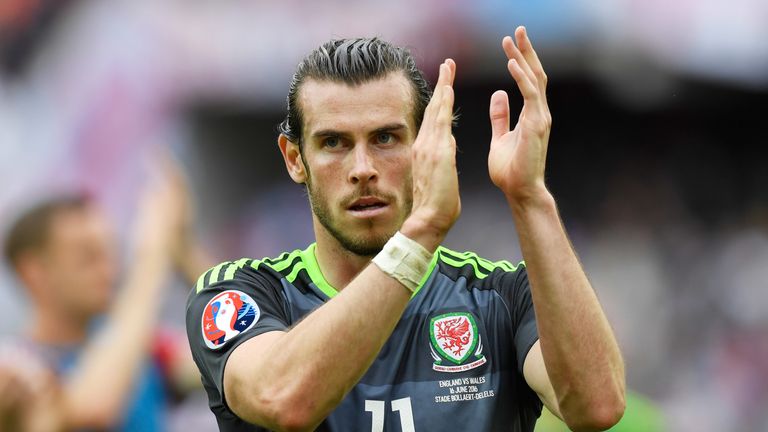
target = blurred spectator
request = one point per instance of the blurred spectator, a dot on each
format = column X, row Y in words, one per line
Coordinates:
column 30, row 397
column 118, row 370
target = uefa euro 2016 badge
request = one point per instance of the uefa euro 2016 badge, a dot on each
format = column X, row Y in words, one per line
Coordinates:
column 456, row 343
column 227, row 315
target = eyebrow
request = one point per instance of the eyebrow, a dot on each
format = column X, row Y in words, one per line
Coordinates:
column 392, row 127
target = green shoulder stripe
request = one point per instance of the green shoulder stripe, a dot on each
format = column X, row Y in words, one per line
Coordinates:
column 233, row 267
column 481, row 266
column 283, row 262
column 292, row 261
column 290, row 264
column 201, row 281
column 214, row 274
column 291, row 277
column 216, row 271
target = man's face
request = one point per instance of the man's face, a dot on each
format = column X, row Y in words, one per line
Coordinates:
column 357, row 150
column 79, row 262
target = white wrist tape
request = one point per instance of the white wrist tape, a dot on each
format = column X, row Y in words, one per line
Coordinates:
column 404, row 259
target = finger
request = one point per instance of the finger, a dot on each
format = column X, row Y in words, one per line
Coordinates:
column 445, row 116
column 499, row 112
column 526, row 47
column 437, row 93
column 527, row 88
column 444, row 78
column 513, row 53
column 432, row 107
column 452, row 69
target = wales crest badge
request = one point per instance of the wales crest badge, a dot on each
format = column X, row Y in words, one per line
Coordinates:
column 456, row 343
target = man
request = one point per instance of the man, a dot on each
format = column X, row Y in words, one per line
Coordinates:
column 423, row 338
column 111, row 359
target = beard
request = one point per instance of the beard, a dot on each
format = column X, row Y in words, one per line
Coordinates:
column 368, row 243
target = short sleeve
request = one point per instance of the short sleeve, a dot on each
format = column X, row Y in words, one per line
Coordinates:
column 223, row 315
column 516, row 292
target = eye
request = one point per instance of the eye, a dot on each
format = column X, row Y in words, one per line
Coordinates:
column 384, row 138
column 331, row 142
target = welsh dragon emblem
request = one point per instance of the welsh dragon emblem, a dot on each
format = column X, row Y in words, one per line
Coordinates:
column 455, row 338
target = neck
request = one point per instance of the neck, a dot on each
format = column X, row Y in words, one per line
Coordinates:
column 338, row 265
column 54, row 327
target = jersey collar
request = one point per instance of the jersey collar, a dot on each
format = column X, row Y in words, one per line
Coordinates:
column 313, row 269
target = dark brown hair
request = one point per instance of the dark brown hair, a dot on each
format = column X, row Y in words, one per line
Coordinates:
column 353, row 61
column 31, row 231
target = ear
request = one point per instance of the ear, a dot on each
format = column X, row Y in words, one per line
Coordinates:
column 31, row 272
column 292, row 158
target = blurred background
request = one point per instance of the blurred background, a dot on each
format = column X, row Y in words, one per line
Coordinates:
column 658, row 155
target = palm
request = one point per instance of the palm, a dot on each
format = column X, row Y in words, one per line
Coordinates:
column 517, row 157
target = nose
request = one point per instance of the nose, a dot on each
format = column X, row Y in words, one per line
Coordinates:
column 363, row 169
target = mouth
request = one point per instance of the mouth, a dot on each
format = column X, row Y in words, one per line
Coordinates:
column 367, row 206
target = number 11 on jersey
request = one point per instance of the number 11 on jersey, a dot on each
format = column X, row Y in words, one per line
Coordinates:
column 376, row 408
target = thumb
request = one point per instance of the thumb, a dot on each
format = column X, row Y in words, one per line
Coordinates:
column 499, row 112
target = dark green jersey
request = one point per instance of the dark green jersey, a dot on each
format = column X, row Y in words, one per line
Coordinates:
column 453, row 362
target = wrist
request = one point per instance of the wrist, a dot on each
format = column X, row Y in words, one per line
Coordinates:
column 532, row 203
column 404, row 259
column 417, row 229
column 531, row 196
